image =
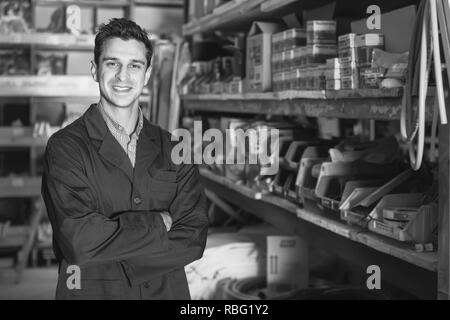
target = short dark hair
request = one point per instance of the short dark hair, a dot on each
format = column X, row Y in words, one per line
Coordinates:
column 124, row 29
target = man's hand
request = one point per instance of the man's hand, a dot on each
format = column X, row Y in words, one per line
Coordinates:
column 167, row 219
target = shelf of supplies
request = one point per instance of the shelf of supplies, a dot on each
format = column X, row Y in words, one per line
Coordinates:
column 161, row 3
column 48, row 86
column 102, row 3
column 377, row 104
column 19, row 137
column 231, row 12
column 427, row 260
column 20, row 187
column 49, row 41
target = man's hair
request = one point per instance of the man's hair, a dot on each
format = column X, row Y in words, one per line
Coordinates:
column 124, row 29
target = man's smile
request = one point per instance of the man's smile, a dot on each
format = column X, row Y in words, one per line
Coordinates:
column 122, row 88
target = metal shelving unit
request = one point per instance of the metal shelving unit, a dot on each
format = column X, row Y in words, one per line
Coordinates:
column 426, row 275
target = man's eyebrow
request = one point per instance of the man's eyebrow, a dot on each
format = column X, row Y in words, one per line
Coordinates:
column 138, row 61
column 110, row 58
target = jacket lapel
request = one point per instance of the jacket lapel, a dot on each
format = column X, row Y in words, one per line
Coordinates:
column 148, row 147
column 109, row 148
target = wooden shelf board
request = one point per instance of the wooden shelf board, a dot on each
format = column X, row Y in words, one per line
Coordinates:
column 20, row 187
column 234, row 13
column 377, row 104
column 19, row 137
column 102, row 3
column 49, row 41
column 427, row 260
column 48, row 86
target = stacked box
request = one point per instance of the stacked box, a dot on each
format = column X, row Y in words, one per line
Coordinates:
column 348, row 58
column 278, row 81
column 333, row 74
column 294, row 38
column 319, row 53
column 321, row 32
column 278, row 40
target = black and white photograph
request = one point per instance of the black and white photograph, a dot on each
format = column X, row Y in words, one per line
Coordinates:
column 245, row 152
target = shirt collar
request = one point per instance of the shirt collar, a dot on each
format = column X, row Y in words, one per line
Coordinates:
column 110, row 121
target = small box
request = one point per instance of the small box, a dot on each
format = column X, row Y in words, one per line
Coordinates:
column 288, row 60
column 369, row 40
column 348, row 55
column 321, row 32
column 370, row 78
column 346, row 41
column 259, row 53
column 331, row 74
column 287, row 263
column 278, row 81
column 319, row 53
column 349, row 82
column 294, row 38
column 333, row 84
column 278, row 41
column 333, row 63
column 277, row 62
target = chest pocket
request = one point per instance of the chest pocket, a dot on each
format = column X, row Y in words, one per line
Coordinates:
column 162, row 188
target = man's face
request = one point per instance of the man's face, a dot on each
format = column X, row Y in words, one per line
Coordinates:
column 121, row 72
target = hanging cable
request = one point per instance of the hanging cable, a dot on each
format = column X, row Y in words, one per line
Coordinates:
column 423, row 48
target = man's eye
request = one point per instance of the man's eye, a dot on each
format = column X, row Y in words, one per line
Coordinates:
column 112, row 64
column 135, row 66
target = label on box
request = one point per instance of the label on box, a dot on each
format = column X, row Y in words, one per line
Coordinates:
column 346, row 41
column 287, row 263
column 369, row 40
column 349, row 82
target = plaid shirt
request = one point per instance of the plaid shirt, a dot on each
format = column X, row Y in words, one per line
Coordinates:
column 127, row 142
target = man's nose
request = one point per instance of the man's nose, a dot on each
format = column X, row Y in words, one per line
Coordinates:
column 121, row 73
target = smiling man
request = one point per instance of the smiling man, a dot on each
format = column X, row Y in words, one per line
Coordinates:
column 123, row 214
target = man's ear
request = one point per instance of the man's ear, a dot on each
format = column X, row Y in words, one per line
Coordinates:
column 148, row 72
column 94, row 71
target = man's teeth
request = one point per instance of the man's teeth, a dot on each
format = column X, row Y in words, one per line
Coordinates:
column 121, row 88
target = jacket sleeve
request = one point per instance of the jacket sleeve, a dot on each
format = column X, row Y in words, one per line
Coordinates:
column 187, row 237
column 84, row 235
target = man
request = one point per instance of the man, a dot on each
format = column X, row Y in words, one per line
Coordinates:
column 121, row 211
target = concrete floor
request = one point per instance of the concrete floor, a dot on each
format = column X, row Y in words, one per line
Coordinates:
column 36, row 284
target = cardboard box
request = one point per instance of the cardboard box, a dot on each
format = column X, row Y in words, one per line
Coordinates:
column 259, row 53
column 346, row 41
column 397, row 27
column 321, row 32
column 333, row 84
column 287, row 263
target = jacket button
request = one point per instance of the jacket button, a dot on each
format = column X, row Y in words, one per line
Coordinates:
column 147, row 285
column 137, row 200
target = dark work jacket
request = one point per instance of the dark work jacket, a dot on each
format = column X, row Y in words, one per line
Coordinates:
column 105, row 214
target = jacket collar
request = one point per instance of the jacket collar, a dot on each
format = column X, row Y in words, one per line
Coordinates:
column 148, row 145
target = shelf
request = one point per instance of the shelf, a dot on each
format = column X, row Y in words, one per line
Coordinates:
column 427, row 261
column 48, row 86
column 20, row 187
column 91, row 3
column 160, row 3
column 49, row 41
column 19, row 137
column 232, row 12
column 377, row 104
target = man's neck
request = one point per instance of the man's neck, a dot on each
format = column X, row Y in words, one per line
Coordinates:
column 126, row 117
